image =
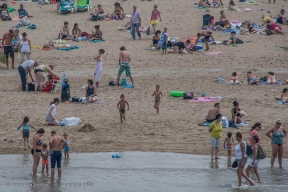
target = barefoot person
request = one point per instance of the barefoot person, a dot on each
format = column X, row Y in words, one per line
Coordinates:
column 24, row 47
column 26, row 131
column 91, row 91
column 64, row 32
column 251, row 78
column 154, row 18
column 124, row 62
column 206, row 35
column 38, row 73
column 277, row 134
column 122, row 106
column 136, row 22
column 50, row 115
column 228, row 144
column 241, row 158
column 45, row 154
column 158, row 95
column 98, row 69
column 97, row 35
column 212, row 113
column 284, row 95
column 180, row 46
column 215, row 131
column 56, row 153
column 8, row 47
column 36, row 149
column 24, row 69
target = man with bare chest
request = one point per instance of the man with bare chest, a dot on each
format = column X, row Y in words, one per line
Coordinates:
column 124, row 62
column 64, row 32
column 8, row 47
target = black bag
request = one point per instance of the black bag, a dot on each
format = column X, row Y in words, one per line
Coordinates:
column 221, row 23
column 94, row 18
column 31, row 87
column 76, row 99
column 206, row 19
column 235, row 164
column 249, row 150
column 188, row 95
column 111, row 83
column 65, row 92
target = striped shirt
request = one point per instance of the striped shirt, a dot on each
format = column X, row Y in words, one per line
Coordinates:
column 28, row 63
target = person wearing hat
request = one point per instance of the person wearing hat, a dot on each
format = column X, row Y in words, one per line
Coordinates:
column 25, row 68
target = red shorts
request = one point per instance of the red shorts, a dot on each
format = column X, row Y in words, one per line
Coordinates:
column 229, row 146
column 45, row 162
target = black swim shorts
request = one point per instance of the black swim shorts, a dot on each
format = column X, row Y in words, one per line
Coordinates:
column 122, row 110
column 9, row 50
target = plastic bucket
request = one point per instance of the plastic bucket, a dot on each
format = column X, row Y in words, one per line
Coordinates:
column 199, row 47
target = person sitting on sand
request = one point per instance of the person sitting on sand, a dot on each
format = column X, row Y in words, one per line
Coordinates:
column 50, row 115
column 4, row 14
column 216, row 3
column 281, row 18
column 22, row 12
column 156, row 38
column 284, row 95
column 234, row 78
column 180, row 46
column 76, row 32
column 64, row 32
column 277, row 29
column 263, row 31
column 237, row 113
column 267, row 16
column 223, row 18
column 204, row 3
column 234, row 39
column 251, row 78
column 91, row 91
column 244, row 28
column 212, row 113
column 126, row 27
column 232, row 6
column 99, row 11
column 271, row 79
column 118, row 11
column 96, row 35
column 206, row 35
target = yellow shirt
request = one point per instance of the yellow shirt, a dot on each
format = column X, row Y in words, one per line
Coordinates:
column 216, row 130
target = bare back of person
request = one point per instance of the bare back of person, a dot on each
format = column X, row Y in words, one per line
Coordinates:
column 212, row 113
column 229, row 141
column 56, row 143
column 125, row 57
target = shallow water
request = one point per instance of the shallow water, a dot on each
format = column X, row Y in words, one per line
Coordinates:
column 136, row 171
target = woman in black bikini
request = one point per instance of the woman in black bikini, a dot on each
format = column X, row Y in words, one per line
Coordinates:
column 118, row 11
column 96, row 35
column 236, row 116
column 180, row 46
column 36, row 149
column 156, row 38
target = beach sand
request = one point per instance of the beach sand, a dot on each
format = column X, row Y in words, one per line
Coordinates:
column 176, row 128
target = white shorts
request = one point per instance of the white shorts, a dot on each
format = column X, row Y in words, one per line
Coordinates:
column 214, row 142
column 256, row 162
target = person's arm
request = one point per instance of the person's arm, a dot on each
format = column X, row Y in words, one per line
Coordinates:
column 4, row 36
column 153, row 94
column 268, row 133
column 33, row 127
column 285, row 132
column 29, row 72
column 234, row 40
column 29, row 42
column 151, row 16
column 161, row 94
column 35, row 141
column 139, row 20
column 129, row 58
column 242, row 146
column 224, row 144
column 118, row 105
column 19, row 13
column 159, row 15
column 120, row 58
column 51, row 113
column 210, row 128
column 255, row 149
column 127, row 105
column 79, row 31
column 86, row 91
column 186, row 47
column 19, row 126
column 100, row 34
column 221, row 2
column 18, row 45
column 212, row 37
column 122, row 10
column 197, row 40
column 61, row 30
column 51, row 72
column 95, row 92
column 50, row 144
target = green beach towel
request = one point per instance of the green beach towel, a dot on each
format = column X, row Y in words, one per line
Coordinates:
column 96, row 41
column 11, row 9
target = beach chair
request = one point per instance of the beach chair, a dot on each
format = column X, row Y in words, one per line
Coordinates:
column 83, row 5
column 58, row 83
column 66, row 6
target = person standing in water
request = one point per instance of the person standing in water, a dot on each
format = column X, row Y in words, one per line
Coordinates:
column 56, row 153
column 36, row 149
column 124, row 62
column 158, row 95
column 26, row 132
column 154, row 18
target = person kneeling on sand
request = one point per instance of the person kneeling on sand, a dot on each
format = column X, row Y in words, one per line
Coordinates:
column 50, row 115
column 180, row 46
column 206, row 35
column 234, row 78
column 251, row 78
column 212, row 113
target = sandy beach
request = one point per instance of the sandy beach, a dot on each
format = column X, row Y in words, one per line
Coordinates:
column 176, row 128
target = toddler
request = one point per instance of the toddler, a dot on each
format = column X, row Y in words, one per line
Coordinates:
column 158, row 95
column 45, row 154
column 67, row 146
column 121, row 107
column 230, row 142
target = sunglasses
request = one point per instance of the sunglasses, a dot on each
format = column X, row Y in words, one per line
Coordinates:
column 279, row 123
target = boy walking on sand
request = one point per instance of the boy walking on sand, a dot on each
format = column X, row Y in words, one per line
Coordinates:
column 229, row 143
column 121, row 106
column 158, row 95
column 45, row 154
column 66, row 146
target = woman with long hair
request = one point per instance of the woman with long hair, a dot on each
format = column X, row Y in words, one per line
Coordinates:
column 36, row 149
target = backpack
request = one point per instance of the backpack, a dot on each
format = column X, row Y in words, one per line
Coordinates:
column 65, row 92
column 260, row 153
column 31, row 87
column 94, row 18
column 188, row 95
column 76, row 99
column 249, row 150
column 269, row 32
column 206, row 19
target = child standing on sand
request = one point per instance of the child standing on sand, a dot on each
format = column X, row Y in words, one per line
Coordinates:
column 66, row 146
column 229, row 143
column 45, row 154
column 26, row 132
column 158, row 95
column 121, row 106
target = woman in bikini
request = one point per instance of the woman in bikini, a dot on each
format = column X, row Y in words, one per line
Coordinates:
column 154, row 18
column 277, row 134
column 39, row 75
column 234, row 78
column 236, row 115
column 271, row 78
column 91, row 91
column 118, row 11
column 232, row 6
column 76, row 32
column 36, row 149
column 156, row 38
column 180, row 46
column 284, row 95
column 96, row 35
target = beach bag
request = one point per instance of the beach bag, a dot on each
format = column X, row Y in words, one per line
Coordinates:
column 235, row 164
column 261, row 154
column 25, row 21
column 111, row 83
column 206, row 19
column 76, row 99
column 149, row 30
column 239, row 41
column 31, row 87
column 65, row 92
column 94, row 18
column 188, row 95
column 249, row 150
column 221, row 23
column 225, row 122
column 84, row 34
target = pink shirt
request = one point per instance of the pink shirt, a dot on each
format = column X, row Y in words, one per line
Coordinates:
column 155, row 15
column 253, row 132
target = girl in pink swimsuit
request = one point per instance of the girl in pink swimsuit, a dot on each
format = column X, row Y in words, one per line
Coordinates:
column 154, row 18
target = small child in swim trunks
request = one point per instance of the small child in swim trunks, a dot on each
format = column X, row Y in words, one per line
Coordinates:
column 158, row 95
column 121, row 107
column 229, row 143
column 234, row 78
column 45, row 154
column 66, row 146
column 271, row 79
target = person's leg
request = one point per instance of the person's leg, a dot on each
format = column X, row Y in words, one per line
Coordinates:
column 59, row 165
column 277, row 30
column 239, row 120
column 53, row 162
column 207, row 46
column 22, row 74
column 47, row 169
column 133, row 31
column 24, row 143
column 216, row 152
column 36, row 159
column 212, row 153
column 12, row 57
column 235, row 120
column 36, row 81
column 40, row 78
column 43, row 167
column 280, row 156
column 239, row 171
column 67, row 155
column 229, row 152
column 157, row 106
column 131, row 79
column 154, row 28
column 28, row 56
column 257, row 174
column 275, row 149
column 120, row 117
column 138, row 31
column 245, row 176
column 248, row 169
column 22, row 57
column 123, row 115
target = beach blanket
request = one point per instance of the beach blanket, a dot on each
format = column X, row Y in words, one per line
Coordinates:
column 70, row 121
column 251, row 2
column 238, row 10
column 10, row 9
column 127, row 86
column 280, row 102
column 96, row 41
column 67, row 48
column 205, row 99
column 229, row 30
column 256, row 26
column 200, row 7
column 213, row 53
column 277, row 83
column 243, row 124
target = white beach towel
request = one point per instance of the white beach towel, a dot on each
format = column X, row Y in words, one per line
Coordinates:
column 70, row 121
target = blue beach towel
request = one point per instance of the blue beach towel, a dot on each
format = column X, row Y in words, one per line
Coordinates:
column 96, row 41
column 277, row 83
column 256, row 26
column 206, row 124
column 229, row 30
column 199, row 7
column 128, row 86
column 67, row 48
column 281, row 102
